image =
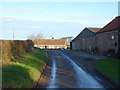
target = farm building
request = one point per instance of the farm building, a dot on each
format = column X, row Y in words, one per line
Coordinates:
column 86, row 40
column 50, row 43
column 107, row 37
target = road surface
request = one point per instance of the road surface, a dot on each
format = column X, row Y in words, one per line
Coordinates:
column 66, row 70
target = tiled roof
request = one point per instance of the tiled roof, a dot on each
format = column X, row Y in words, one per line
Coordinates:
column 93, row 29
column 51, row 42
column 113, row 25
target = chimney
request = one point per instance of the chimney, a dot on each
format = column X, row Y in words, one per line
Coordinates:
column 52, row 37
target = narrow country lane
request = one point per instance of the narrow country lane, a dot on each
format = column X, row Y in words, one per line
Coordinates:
column 59, row 73
column 84, row 80
column 63, row 72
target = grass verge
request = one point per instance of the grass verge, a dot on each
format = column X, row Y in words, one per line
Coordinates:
column 24, row 71
column 110, row 69
column 81, row 50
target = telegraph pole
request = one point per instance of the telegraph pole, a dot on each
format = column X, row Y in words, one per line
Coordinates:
column 13, row 29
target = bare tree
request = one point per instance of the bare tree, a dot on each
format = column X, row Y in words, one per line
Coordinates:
column 40, row 36
column 31, row 36
column 35, row 37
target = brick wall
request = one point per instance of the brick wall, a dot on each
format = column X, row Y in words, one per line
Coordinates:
column 105, row 41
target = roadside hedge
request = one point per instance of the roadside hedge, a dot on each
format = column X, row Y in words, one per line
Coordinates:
column 10, row 49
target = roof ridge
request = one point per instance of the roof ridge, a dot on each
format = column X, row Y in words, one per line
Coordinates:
column 49, row 39
column 92, row 27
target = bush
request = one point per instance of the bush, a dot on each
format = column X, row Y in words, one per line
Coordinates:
column 110, row 52
column 13, row 49
column 95, row 50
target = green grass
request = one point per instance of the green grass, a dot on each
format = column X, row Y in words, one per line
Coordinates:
column 109, row 68
column 24, row 71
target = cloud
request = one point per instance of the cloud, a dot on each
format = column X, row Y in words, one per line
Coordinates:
column 34, row 27
column 16, row 31
column 25, row 8
column 21, row 9
column 37, row 20
column 85, row 19
column 80, row 19
column 8, row 19
column 59, row 0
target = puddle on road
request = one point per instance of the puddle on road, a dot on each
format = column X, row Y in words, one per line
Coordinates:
column 53, row 75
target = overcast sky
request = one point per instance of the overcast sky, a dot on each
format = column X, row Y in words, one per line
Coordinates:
column 57, row 19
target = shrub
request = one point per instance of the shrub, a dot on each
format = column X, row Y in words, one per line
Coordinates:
column 110, row 52
column 95, row 50
column 14, row 48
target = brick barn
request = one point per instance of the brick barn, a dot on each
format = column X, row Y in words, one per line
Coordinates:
column 107, row 37
column 50, row 43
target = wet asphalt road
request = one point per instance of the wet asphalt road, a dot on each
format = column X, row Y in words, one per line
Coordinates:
column 63, row 71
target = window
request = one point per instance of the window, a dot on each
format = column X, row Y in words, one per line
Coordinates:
column 113, row 37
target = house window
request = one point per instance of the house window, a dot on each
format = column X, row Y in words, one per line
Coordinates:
column 113, row 37
column 41, row 47
column 51, row 47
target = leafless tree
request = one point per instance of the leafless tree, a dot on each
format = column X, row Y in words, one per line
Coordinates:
column 35, row 37
column 31, row 36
